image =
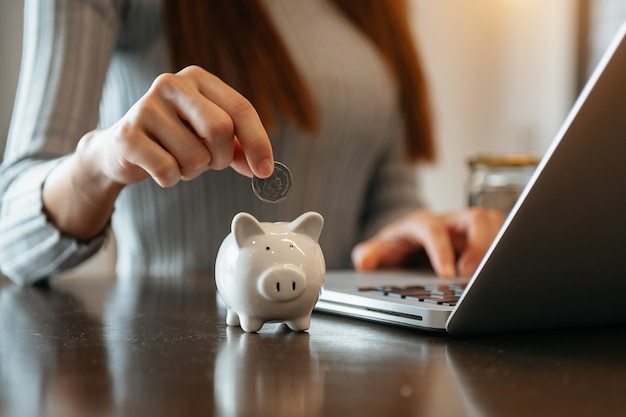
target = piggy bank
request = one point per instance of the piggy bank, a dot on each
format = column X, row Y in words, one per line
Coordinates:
column 271, row 271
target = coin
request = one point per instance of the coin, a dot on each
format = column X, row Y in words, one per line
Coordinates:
column 274, row 188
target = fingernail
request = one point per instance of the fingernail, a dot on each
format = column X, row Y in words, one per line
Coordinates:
column 265, row 168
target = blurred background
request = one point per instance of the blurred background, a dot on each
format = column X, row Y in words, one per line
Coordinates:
column 503, row 75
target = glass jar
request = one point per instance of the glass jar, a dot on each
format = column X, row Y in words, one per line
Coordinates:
column 496, row 181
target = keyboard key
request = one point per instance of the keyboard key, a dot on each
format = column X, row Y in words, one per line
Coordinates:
column 447, row 294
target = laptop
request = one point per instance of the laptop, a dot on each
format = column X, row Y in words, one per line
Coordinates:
column 559, row 260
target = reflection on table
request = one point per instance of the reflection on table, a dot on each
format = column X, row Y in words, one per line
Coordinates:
column 135, row 347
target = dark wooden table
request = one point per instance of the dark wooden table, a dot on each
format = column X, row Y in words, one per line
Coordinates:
column 106, row 347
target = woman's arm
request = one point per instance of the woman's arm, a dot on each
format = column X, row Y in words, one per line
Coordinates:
column 185, row 124
column 66, row 53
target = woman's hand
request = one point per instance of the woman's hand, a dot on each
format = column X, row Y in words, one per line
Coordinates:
column 455, row 242
column 186, row 123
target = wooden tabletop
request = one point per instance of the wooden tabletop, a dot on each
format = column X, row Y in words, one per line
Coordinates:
column 147, row 347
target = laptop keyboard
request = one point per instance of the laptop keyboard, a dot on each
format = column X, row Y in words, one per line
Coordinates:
column 447, row 295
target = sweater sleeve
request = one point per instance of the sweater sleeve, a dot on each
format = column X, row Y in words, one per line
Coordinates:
column 67, row 49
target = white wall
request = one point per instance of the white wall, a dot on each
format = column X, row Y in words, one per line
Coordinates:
column 502, row 74
column 605, row 19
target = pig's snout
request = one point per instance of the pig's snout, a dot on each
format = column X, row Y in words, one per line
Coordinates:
column 282, row 283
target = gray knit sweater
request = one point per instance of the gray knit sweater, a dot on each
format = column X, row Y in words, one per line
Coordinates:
column 86, row 62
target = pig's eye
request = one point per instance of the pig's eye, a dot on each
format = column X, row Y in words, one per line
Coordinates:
column 267, row 248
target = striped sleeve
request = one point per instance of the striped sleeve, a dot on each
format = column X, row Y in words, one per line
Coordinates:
column 67, row 50
column 31, row 248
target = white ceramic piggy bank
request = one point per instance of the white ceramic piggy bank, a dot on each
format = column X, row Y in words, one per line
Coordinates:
column 271, row 271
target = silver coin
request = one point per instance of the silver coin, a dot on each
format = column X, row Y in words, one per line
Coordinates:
column 274, row 188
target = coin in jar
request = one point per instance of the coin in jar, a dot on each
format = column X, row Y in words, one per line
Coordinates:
column 274, row 188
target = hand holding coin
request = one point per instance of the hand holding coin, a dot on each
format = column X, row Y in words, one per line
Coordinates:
column 274, row 188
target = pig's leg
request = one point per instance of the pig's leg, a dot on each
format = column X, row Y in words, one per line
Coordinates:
column 232, row 318
column 300, row 324
column 249, row 324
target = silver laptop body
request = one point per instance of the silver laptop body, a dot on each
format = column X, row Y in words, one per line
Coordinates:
column 560, row 258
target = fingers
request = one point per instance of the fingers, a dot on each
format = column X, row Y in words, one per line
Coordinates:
column 477, row 229
column 420, row 230
column 375, row 253
column 159, row 124
column 185, row 124
column 240, row 163
column 151, row 159
column 468, row 233
column 208, row 124
column 245, row 120
column 431, row 232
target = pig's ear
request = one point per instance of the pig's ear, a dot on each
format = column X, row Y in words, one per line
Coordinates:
column 309, row 223
column 244, row 226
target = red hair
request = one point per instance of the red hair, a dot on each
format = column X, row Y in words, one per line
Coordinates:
column 273, row 83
